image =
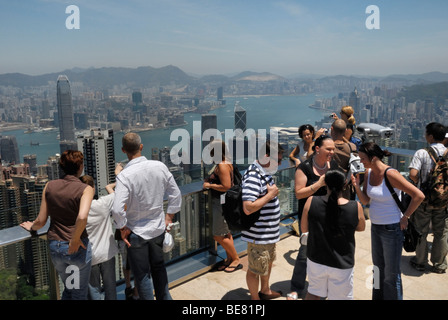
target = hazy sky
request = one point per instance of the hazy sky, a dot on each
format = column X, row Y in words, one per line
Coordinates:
column 226, row 36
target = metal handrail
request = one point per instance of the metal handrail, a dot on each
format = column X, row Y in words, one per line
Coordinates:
column 16, row 234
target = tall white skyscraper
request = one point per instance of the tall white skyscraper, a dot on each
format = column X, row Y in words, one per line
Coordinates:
column 65, row 115
column 99, row 158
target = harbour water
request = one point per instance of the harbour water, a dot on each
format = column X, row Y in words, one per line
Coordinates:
column 262, row 112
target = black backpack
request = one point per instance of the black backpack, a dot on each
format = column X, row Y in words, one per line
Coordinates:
column 232, row 209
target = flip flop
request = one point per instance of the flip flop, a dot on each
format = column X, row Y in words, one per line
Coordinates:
column 234, row 268
column 220, row 266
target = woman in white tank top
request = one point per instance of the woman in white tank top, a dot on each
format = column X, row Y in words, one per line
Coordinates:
column 383, row 208
column 386, row 218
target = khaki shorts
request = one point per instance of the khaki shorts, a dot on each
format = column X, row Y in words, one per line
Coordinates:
column 260, row 257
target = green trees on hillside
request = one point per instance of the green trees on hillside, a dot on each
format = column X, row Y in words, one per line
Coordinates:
column 17, row 287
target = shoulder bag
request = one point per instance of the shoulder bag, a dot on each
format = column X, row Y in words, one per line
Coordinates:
column 411, row 235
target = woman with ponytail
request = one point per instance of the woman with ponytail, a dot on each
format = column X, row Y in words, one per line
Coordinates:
column 309, row 180
column 331, row 222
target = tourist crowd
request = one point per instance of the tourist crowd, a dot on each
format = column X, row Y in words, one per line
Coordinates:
column 86, row 234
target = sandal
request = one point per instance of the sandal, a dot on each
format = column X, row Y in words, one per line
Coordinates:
column 233, row 268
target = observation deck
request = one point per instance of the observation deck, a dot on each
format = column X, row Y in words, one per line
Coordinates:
column 190, row 263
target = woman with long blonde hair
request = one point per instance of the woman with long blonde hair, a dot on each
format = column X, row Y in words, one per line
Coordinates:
column 347, row 114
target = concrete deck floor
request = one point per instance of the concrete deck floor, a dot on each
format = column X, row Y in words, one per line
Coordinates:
column 232, row 286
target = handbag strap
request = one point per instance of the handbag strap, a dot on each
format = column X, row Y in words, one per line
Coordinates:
column 392, row 192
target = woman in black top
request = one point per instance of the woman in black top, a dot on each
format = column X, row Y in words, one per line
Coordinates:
column 219, row 181
column 331, row 221
column 310, row 174
column 309, row 180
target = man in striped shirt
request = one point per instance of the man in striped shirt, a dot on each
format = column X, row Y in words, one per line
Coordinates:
column 260, row 193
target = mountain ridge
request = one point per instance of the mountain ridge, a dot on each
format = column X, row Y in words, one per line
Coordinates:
column 170, row 74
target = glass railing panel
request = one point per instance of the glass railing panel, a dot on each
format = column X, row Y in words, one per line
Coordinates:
column 190, row 231
column 25, row 270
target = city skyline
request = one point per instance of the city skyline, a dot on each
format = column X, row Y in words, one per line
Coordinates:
column 222, row 37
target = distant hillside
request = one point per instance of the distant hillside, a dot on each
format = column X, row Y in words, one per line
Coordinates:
column 256, row 76
column 436, row 91
column 148, row 76
column 243, row 76
column 138, row 77
column 422, row 78
column 104, row 77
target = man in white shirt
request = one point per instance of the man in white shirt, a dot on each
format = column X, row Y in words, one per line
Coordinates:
column 138, row 212
column 426, row 215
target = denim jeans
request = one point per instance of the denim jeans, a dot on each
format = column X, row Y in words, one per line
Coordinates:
column 387, row 246
column 74, row 269
column 299, row 273
column 146, row 259
column 103, row 271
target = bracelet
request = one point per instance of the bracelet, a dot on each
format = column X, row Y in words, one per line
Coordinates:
column 33, row 233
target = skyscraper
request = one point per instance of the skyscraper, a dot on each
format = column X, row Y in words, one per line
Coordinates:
column 239, row 144
column 354, row 102
column 9, row 149
column 20, row 199
column 99, row 158
column 219, row 93
column 31, row 160
column 52, row 167
column 240, row 118
column 45, row 110
column 137, row 97
column 65, row 115
column 208, row 121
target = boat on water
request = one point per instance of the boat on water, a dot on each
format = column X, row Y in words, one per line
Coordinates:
column 34, row 143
